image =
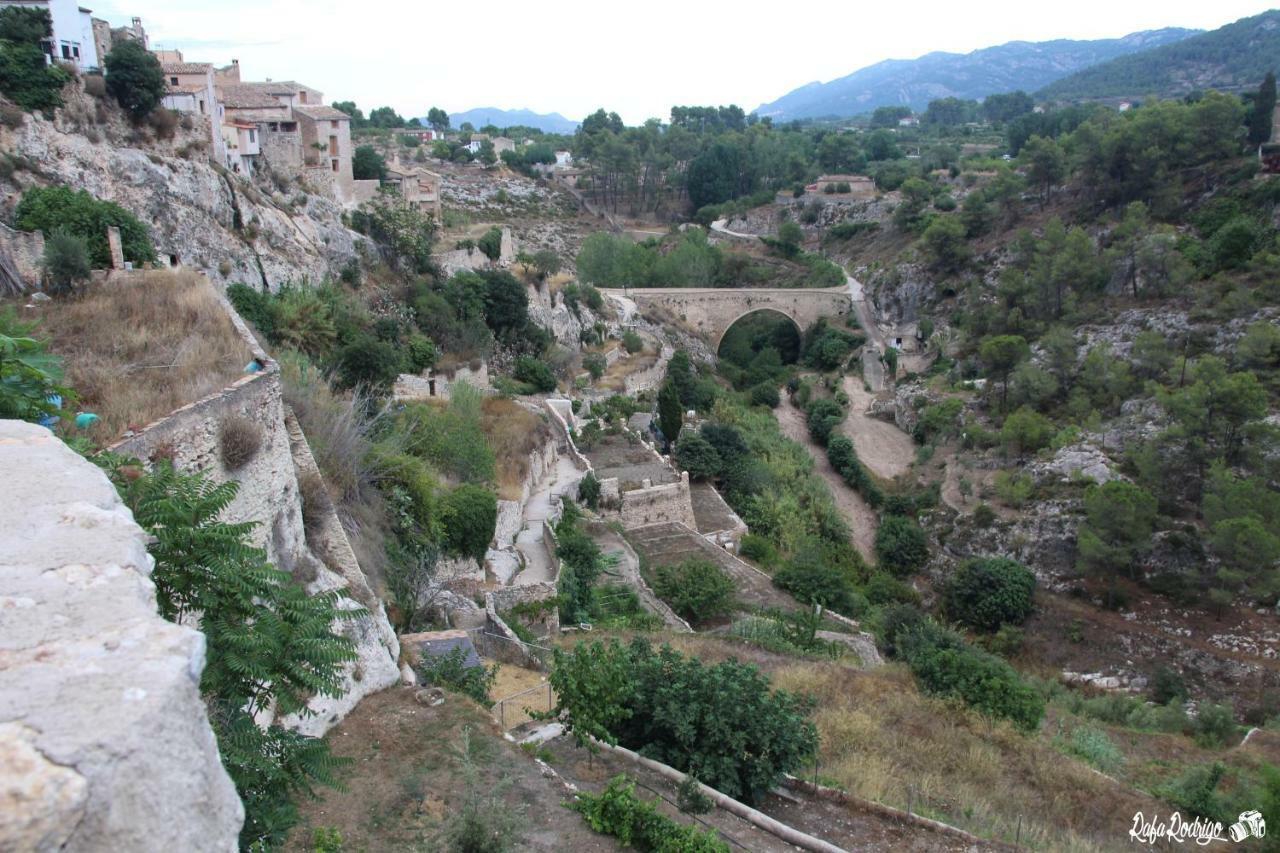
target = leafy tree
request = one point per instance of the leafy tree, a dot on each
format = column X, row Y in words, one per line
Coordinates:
column 1001, row 354
column 367, row 164
column 134, row 78
column 350, row 108
column 594, row 363
column 1007, row 107
column 29, row 376
column 989, row 593
column 697, row 456
column 26, row 77
column 589, row 491
column 66, row 261
column 438, row 119
column 269, row 645
column 506, row 304
column 714, row 176
column 901, row 547
column 813, row 579
column 1264, row 104
column 470, row 515
column 385, row 117
column 670, row 412
column 697, row 590
column 53, row 209
column 1119, row 519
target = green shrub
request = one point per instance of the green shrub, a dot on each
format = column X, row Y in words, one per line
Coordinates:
column 632, row 342
column 697, row 456
column 883, row 588
column 844, row 459
column 945, row 665
column 823, row 416
column 470, row 515
column 51, row 209
column 255, row 307
column 988, row 593
column 617, row 811
column 422, row 353
column 367, row 362
column 594, row 363
column 813, row 580
column 1095, row 747
column 1195, row 792
column 720, row 722
column 589, row 490
column 765, row 394
column 697, row 590
column 451, row 672
column 534, row 373
column 26, row 76
column 1215, row 725
column 759, row 549
column 901, row 547
column 65, row 261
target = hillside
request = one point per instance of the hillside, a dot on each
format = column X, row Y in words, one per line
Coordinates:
column 1235, row 56
column 915, row 82
column 481, row 116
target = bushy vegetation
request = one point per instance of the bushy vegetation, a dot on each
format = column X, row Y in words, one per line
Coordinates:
column 76, row 212
column 698, row 590
column 989, row 593
column 617, row 811
column 134, row 77
column 450, row 671
column 29, row 375
column 26, row 77
column 269, row 645
column 944, row 664
column 720, row 722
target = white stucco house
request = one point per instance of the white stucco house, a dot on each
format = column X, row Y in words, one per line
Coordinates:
column 72, row 39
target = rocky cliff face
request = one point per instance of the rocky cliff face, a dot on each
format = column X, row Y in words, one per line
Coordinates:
column 104, row 740
column 268, row 233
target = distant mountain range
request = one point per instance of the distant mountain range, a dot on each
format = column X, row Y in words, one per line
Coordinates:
column 916, row 82
column 1233, row 57
column 546, row 122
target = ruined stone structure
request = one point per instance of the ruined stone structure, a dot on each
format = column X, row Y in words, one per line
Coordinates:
column 711, row 311
column 104, row 739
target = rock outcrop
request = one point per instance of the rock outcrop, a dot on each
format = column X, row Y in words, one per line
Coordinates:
column 104, row 739
column 204, row 217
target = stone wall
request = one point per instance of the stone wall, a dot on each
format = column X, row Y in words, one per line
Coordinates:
column 438, row 384
column 269, row 496
column 26, row 250
column 669, row 502
column 456, row 260
column 104, row 739
column 651, row 377
column 282, row 151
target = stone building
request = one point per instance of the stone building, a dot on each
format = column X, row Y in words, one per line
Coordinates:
column 418, row 187
column 326, row 143
column 190, row 90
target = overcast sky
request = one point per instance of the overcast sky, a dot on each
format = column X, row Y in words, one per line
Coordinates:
column 639, row 59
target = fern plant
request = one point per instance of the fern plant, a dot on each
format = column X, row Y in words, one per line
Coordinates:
column 270, row 646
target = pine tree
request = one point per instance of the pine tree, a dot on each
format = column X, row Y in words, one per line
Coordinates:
column 1264, row 105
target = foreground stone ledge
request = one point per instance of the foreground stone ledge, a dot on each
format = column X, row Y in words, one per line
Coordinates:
column 104, row 739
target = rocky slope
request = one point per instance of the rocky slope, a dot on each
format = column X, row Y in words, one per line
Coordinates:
column 207, row 218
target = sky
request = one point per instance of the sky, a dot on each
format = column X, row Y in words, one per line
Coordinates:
column 574, row 56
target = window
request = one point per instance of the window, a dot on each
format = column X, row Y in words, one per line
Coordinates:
column 66, row 50
column 201, row 106
column 173, row 81
column 333, row 145
column 253, row 136
column 333, row 124
column 75, row 50
column 334, row 163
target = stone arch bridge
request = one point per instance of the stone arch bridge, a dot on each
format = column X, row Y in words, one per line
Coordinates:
column 710, row 311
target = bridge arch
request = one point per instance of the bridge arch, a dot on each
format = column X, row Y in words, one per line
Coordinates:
column 763, row 309
column 711, row 311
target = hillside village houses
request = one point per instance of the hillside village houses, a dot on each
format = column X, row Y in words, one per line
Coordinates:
column 78, row 37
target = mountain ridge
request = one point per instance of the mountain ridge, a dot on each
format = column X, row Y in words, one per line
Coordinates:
column 481, row 116
column 1001, row 68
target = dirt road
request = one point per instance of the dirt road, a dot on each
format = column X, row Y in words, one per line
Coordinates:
column 886, row 450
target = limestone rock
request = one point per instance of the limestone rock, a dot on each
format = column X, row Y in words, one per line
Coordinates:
column 104, row 739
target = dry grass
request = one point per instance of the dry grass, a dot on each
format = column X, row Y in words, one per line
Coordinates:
column 884, row 741
column 239, row 439
column 514, row 433
column 135, row 350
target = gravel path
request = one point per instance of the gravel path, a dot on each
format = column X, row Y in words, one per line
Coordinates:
column 886, row 450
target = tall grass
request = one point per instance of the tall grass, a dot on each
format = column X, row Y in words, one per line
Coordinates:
column 138, row 348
